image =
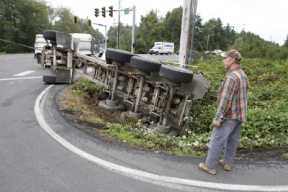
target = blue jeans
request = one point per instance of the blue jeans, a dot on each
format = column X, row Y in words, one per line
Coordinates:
column 228, row 133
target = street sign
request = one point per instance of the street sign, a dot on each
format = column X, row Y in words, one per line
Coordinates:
column 126, row 11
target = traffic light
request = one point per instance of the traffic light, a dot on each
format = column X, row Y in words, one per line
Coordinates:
column 103, row 12
column 75, row 19
column 89, row 23
column 96, row 12
column 111, row 11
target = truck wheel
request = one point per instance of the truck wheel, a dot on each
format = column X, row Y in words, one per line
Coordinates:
column 49, row 79
column 118, row 55
column 145, row 64
column 156, row 53
column 50, row 35
column 176, row 74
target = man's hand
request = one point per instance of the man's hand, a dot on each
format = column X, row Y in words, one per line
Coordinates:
column 216, row 122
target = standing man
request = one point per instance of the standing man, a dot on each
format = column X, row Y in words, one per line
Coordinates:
column 231, row 112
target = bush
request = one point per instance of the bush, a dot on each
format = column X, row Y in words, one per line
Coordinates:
column 87, row 87
column 267, row 123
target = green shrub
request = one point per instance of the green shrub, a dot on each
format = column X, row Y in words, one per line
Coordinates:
column 267, row 123
column 87, row 87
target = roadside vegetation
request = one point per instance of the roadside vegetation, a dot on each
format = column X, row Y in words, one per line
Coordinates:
column 267, row 125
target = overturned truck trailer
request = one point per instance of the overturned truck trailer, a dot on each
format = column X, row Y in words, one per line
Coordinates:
column 161, row 95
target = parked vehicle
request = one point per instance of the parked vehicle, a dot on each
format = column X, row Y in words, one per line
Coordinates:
column 40, row 42
column 194, row 52
column 216, row 51
column 85, row 46
column 162, row 48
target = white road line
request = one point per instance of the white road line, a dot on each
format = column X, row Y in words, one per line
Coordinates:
column 21, row 78
column 171, row 182
column 24, row 73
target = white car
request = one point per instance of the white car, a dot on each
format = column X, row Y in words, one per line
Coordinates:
column 216, row 51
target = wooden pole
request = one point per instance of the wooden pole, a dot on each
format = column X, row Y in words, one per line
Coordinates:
column 185, row 33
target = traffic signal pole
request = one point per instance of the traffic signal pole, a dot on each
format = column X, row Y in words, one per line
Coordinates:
column 133, row 29
column 99, row 24
column 126, row 11
column 111, row 10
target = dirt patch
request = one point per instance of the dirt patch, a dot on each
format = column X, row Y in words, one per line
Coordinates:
column 94, row 129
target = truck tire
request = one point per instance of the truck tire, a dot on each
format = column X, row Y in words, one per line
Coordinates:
column 49, row 79
column 145, row 64
column 176, row 74
column 118, row 55
column 50, row 35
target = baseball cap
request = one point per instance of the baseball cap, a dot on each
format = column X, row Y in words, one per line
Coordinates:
column 233, row 54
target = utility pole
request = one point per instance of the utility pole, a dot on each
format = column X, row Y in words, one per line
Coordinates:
column 193, row 15
column 185, row 33
column 118, row 31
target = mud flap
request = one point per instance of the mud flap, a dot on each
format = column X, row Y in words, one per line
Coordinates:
column 61, row 76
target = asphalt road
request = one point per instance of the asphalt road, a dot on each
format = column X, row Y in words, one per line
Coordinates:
column 41, row 151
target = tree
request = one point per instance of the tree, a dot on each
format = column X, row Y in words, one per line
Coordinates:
column 172, row 26
column 149, row 31
column 20, row 20
column 286, row 42
column 64, row 22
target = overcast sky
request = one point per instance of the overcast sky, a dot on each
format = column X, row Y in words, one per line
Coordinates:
column 265, row 18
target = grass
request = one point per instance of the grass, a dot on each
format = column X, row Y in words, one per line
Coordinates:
column 75, row 102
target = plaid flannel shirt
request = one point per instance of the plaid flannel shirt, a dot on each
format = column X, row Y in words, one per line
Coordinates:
column 232, row 96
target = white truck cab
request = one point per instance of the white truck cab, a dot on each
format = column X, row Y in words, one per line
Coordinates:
column 82, row 44
column 40, row 42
